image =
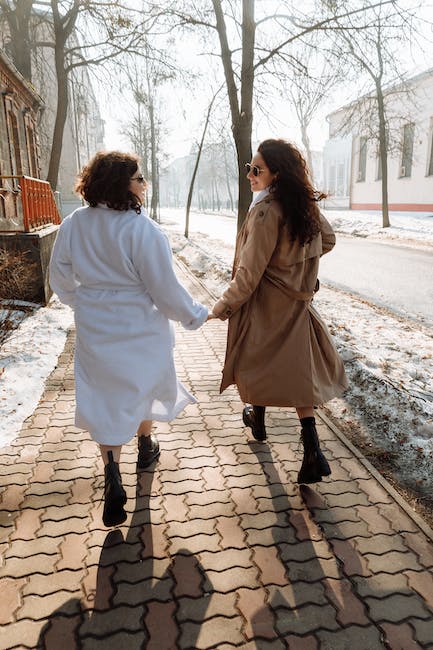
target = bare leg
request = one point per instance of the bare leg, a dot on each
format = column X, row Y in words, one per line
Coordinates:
column 104, row 449
column 145, row 428
column 305, row 412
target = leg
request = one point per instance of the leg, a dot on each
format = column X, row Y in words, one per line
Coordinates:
column 148, row 445
column 314, row 464
column 114, row 494
column 254, row 417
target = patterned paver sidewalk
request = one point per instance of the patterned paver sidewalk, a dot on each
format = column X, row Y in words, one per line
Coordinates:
column 221, row 548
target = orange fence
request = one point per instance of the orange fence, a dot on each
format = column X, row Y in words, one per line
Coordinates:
column 39, row 207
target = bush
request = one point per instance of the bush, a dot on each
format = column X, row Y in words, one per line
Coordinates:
column 17, row 273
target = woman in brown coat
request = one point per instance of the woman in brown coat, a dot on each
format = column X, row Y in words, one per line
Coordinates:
column 279, row 351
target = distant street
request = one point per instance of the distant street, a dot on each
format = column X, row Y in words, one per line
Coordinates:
column 396, row 277
column 393, row 276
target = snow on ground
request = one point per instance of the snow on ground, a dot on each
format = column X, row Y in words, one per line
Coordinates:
column 26, row 359
column 388, row 359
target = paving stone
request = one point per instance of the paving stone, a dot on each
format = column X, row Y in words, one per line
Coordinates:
column 397, row 607
column 231, row 532
column 353, row 562
column 212, row 633
column 400, row 636
column 197, row 544
column 296, row 594
column 307, row 550
column 271, row 536
column 207, row 606
column 351, row 638
column 312, row 570
column 42, row 585
column 190, row 528
column 231, row 579
column 42, row 607
column 305, row 619
column 226, row 559
column 422, row 582
column 259, row 620
column 423, row 630
column 60, row 632
column 27, row 548
column 23, row 634
column 380, row 544
column 381, row 584
column 301, row 643
column 187, row 574
column 10, row 589
column 117, row 619
column 272, row 570
column 420, row 545
column 394, row 562
column 142, row 591
column 21, row 567
column 161, row 626
column 350, row 609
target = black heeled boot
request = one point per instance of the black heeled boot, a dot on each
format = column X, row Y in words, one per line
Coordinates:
column 254, row 417
column 148, row 450
column 114, row 495
column 314, row 464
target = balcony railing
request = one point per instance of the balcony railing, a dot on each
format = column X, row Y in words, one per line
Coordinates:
column 26, row 204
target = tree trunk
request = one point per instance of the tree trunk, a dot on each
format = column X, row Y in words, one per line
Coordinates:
column 59, row 124
column 197, row 162
column 306, row 143
column 242, row 118
column 383, row 149
column 154, row 164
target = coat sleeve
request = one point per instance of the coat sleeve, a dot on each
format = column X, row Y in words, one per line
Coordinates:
column 328, row 236
column 62, row 279
column 254, row 258
column 153, row 259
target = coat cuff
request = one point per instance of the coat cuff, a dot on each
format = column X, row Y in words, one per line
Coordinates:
column 222, row 310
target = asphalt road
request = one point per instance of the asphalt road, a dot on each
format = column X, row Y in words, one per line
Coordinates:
column 394, row 276
column 387, row 274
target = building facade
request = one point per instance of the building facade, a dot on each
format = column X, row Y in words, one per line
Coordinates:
column 20, row 108
column 352, row 169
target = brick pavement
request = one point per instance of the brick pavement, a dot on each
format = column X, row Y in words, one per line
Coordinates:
column 221, row 548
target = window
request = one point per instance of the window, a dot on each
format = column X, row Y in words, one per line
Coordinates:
column 362, row 161
column 407, row 151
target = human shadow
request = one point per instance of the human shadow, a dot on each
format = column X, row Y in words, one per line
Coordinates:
column 325, row 574
column 144, row 597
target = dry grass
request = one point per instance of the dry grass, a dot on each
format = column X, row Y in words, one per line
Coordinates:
column 16, row 280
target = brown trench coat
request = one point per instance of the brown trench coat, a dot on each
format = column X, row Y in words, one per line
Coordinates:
column 279, row 351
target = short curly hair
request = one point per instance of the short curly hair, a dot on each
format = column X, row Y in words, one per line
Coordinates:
column 106, row 178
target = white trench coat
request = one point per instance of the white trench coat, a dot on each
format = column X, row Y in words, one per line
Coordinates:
column 115, row 270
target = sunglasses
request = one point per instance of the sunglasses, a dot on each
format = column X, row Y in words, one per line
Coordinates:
column 256, row 170
column 140, row 179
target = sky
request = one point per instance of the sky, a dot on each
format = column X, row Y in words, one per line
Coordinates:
column 183, row 109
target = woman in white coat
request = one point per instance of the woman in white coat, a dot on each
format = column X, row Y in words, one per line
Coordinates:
column 113, row 266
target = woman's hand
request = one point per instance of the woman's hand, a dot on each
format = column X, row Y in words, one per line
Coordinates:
column 211, row 316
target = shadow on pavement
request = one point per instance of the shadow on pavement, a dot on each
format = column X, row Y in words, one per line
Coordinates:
column 144, row 597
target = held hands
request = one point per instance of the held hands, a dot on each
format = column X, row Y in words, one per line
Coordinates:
column 211, row 316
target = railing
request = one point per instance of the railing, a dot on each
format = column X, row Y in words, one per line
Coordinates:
column 28, row 206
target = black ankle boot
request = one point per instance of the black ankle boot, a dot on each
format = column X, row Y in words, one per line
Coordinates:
column 254, row 417
column 314, row 463
column 114, row 494
column 148, row 450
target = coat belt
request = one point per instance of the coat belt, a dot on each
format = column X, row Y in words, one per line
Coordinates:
column 303, row 296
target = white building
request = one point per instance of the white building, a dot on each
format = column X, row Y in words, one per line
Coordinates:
column 352, row 172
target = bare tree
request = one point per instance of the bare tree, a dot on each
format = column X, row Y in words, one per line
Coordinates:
column 247, row 58
column 17, row 14
column 372, row 53
column 80, row 34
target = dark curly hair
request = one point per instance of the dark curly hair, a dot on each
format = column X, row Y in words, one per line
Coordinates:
column 106, row 178
column 293, row 189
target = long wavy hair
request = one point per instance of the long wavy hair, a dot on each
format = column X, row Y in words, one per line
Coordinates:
column 293, row 189
column 106, row 178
